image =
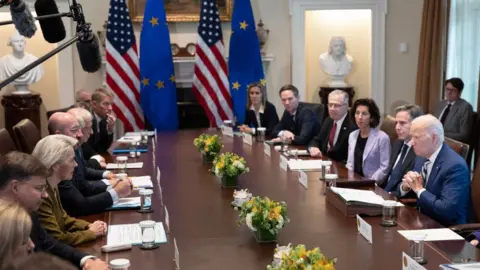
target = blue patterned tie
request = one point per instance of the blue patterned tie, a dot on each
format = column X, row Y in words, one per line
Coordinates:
column 425, row 172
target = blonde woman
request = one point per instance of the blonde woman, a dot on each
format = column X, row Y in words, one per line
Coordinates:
column 15, row 226
column 57, row 154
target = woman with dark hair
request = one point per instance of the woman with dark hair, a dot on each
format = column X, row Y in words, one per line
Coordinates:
column 368, row 147
column 260, row 112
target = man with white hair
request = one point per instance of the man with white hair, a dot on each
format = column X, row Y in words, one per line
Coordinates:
column 440, row 178
column 85, row 119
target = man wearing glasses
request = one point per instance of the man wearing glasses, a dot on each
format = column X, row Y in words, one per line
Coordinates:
column 84, row 99
column 332, row 140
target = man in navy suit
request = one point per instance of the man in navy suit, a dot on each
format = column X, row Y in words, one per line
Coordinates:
column 440, row 178
column 402, row 157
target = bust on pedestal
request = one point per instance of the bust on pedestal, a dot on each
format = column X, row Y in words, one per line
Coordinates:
column 16, row 61
column 336, row 62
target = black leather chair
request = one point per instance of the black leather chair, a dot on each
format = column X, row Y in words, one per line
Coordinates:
column 318, row 109
column 49, row 113
column 6, row 142
column 27, row 135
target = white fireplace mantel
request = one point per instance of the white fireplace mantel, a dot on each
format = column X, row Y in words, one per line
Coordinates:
column 184, row 69
column 379, row 11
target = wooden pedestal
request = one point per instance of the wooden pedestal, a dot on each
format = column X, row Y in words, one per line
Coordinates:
column 19, row 107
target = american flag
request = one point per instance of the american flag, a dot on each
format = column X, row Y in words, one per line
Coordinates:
column 210, row 79
column 123, row 74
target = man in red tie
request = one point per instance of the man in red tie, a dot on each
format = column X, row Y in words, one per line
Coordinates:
column 332, row 140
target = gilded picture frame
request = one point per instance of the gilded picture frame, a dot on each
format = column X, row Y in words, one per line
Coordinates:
column 181, row 10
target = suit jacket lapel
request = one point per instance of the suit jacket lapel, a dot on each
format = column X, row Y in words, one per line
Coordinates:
column 371, row 141
column 343, row 135
column 435, row 168
column 453, row 111
column 397, row 147
column 410, row 157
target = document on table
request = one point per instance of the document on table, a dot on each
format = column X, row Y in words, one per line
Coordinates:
column 299, row 164
column 126, row 203
column 432, row 234
column 132, row 234
column 142, row 181
column 463, row 266
column 360, row 196
column 130, row 134
column 129, row 139
column 132, row 165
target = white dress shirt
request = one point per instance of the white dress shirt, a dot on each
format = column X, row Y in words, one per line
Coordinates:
column 257, row 115
column 409, row 144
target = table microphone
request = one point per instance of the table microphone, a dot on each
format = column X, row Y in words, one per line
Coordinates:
column 52, row 28
column 22, row 18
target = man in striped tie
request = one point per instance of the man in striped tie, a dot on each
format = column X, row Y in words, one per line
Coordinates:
column 440, row 179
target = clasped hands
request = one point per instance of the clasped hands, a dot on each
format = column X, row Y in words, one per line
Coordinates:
column 286, row 135
column 412, row 181
column 98, row 227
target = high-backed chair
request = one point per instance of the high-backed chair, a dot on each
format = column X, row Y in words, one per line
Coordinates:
column 6, row 142
column 318, row 109
column 459, row 147
column 388, row 126
column 27, row 135
column 49, row 113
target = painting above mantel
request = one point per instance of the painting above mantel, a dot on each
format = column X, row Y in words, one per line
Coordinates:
column 181, row 10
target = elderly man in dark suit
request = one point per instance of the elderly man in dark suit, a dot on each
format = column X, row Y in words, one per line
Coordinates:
column 332, row 140
column 402, row 155
column 298, row 124
column 455, row 113
column 440, row 178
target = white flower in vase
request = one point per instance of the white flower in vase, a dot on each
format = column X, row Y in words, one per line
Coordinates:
column 248, row 221
column 280, row 222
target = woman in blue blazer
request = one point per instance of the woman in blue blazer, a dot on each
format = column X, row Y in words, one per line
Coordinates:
column 368, row 147
column 259, row 112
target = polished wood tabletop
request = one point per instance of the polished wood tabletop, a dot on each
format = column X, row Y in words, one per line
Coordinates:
column 205, row 225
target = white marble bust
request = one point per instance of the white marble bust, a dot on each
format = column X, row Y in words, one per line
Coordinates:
column 17, row 60
column 336, row 62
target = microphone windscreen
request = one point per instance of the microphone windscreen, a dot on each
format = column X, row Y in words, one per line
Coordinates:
column 22, row 19
column 53, row 29
column 89, row 54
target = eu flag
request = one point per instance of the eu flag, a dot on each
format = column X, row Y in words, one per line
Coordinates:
column 244, row 63
column 158, row 95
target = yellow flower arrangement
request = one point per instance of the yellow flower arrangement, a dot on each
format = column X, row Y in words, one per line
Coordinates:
column 229, row 164
column 301, row 258
column 263, row 214
column 208, row 145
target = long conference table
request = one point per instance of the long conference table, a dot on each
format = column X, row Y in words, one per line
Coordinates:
column 205, row 225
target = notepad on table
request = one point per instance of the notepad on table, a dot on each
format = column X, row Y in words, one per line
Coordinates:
column 444, row 234
column 299, row 164
column 360, row 197
column 126, row 203
column 130, row 134
column 141, row 181
column 132, row 234
column 133, row 165
column 129, row 139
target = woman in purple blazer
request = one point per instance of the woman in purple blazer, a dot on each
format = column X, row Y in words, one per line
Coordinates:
column 368, row 147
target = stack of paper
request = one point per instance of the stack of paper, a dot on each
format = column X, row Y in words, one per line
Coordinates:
column 133, row 165
column 364, row 197
column 130, row 134
column 298, row 164
column 129, row 139
column 132, row 234
column 126, row 203
column 463, row 266
column 142, row 182
column 432, row 234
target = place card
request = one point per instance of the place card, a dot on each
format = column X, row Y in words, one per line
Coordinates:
column 267, row 149
column 159, row 174
column 155, row 134
column 302, row 178
column 283, row 163
column 167, row 219
column 176, row 259
column 227, row 131
column 364, row 229
column 247, row 138
column 410, row 264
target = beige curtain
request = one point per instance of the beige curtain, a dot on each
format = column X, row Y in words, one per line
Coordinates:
column 432, row 53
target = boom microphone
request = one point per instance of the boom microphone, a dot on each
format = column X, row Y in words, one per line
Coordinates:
column 89, row 53
column 22, row 18
column 53, row 29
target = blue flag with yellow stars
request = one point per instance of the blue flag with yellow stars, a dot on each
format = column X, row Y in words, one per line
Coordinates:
column 158, row 94
column 245, row 62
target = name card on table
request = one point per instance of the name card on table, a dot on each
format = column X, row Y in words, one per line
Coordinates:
column 283, row 163
column 364, row 229
column 302, row 178
column 133, row 165
column 155, row 134
column 176, row 259
column 159, row 174
column 247, row 138
column 410, row 264
column 267, row 150
column 167, row 220
column 227, row 131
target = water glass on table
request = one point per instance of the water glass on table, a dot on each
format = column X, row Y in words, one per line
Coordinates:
column 416, row 246
column 389, row 213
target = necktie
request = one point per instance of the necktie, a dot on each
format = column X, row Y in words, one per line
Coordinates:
column 403, row 153
column 331, row 137
column 425, row 172
column 445, row 113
